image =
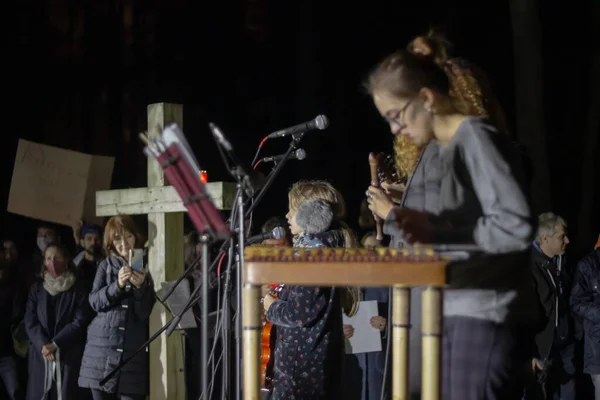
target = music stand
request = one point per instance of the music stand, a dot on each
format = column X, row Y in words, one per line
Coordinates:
column 173, row 153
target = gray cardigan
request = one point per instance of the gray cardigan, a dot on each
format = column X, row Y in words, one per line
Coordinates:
column 422, row 191
column 119, row 328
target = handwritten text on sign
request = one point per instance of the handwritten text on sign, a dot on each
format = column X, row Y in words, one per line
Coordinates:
column 52, row 184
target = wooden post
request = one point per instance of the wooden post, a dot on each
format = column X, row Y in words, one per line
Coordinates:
column 432, row 344
column 165, row 258
column 252, row 328
column 400, row 338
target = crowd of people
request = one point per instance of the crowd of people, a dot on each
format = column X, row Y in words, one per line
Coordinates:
column 72, row 320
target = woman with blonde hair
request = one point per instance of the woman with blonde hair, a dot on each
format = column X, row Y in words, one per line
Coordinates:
column 123, row 299
column 309, row 346
column 418, row 164
column 470, row 92
column 319, row 189
column 482, row 202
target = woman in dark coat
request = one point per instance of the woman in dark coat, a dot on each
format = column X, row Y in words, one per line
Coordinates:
column 56, row 318
column 123, row 299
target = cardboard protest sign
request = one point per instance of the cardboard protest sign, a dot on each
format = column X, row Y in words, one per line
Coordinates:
column 57, row 185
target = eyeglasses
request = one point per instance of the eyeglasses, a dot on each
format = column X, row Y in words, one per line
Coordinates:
column 395, row 116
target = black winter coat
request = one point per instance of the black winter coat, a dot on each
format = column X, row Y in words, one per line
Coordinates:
column 61, row 319
column 119, row 328
column 585, row 302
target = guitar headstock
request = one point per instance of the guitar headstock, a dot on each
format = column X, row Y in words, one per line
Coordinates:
column 386, row 168
column 276, row 289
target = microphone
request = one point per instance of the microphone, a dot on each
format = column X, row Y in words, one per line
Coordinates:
column 320, row 122
column 299, row 154
column 253, row 181
column 277, row 233
column 220, row 137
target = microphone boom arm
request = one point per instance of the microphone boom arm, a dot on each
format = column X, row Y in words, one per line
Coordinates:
column 271, row 177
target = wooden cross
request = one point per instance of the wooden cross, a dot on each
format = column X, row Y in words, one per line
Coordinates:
column 165, row 257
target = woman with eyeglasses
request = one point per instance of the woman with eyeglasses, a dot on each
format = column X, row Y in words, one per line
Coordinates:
column 481, row 201
column 417, row 164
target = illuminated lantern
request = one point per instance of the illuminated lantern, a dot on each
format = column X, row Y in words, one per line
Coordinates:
column 203, row 176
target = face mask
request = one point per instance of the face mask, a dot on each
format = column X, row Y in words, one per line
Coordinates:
column 42, row 243
column 56, row 268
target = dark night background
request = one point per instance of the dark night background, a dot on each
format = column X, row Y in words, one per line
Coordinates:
column 80, row 74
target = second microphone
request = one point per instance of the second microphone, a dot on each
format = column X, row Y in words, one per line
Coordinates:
column 299, row 154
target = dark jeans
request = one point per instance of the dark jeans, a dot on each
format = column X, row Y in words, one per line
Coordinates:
column 100, row 395
column 10, row 378
column 480, row 360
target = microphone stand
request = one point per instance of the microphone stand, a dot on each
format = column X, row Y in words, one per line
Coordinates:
column 240, row 266
column 242, row 215
column 226, row 307
column 243, row 180
column 274, row 172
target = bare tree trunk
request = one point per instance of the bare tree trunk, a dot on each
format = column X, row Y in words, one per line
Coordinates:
column 529, row 104
column 590, row 144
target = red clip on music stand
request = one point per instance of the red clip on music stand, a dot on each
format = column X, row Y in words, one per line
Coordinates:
column 180, row 167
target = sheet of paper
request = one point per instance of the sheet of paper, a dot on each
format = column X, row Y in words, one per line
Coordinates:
column 366, row 338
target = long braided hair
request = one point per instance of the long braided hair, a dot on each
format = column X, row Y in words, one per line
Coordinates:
column 470, row 93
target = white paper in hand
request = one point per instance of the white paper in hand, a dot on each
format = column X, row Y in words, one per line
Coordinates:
column 366, row 338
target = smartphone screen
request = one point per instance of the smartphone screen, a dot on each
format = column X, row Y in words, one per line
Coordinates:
column 137, row 259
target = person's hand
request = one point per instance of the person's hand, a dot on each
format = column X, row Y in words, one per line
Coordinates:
column 268, row 300
column 138, row 277
column 536, row 365
column 125, row 274
column 379, row 202
column 348, row 331
column 48, row 351
column 415, row 225
column 394, row 190
column 378, row 322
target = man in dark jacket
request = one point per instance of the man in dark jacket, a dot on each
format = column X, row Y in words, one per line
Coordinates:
column 555, row 338
column 90, row 253
column 585, row 302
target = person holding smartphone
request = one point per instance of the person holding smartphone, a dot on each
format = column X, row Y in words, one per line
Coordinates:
column 123, row 299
